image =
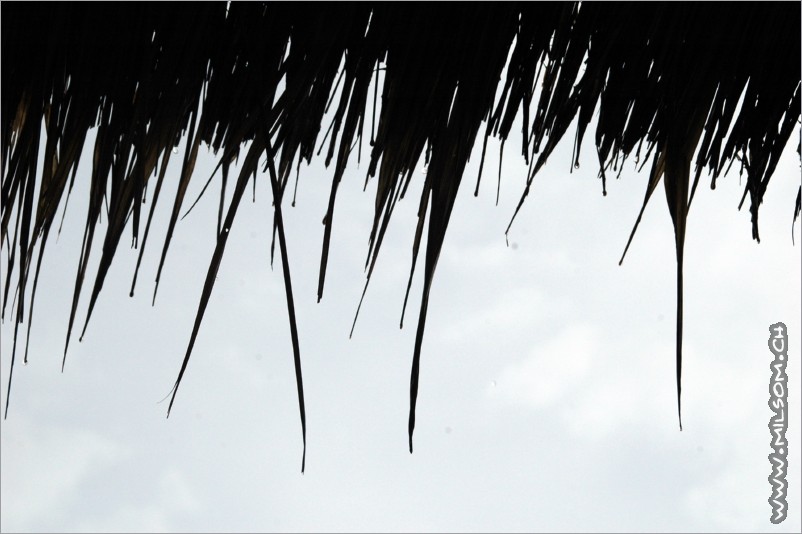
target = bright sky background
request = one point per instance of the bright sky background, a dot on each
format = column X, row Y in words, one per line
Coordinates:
column 547, row 396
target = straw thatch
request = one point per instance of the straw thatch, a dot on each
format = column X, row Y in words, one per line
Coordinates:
column 664, row 79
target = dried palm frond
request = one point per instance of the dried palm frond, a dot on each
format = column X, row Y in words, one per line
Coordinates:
column 662, row 77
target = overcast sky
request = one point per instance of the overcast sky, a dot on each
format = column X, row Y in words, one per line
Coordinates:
column 547, row 394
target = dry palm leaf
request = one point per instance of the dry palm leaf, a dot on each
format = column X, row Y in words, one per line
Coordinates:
column 667, row 76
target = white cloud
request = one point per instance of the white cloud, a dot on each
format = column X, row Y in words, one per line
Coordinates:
column 175, row 492
column 129, row 519
column 173, row 498
column 510, row 311
column 553, row 370
column 740, row 511
column 44, row 467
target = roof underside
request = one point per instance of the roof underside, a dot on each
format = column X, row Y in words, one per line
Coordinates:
column 663, row 79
